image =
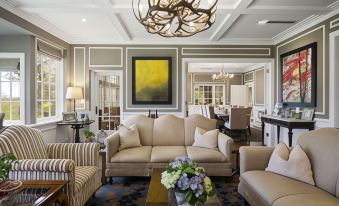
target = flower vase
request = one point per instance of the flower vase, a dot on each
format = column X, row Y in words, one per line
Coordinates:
column 180, row 197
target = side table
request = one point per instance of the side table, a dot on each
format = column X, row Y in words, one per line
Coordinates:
column 102, row 154
column 76, row 126
column 237, row 168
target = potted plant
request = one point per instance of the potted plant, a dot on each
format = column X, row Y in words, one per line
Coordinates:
column 188, row 182
column 7, row 186
column 89, row 135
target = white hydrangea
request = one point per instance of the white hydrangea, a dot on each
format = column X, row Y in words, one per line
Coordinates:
column 170, row 179
column 208, row 184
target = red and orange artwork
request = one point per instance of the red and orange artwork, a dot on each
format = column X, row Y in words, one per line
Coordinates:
column 297, row 71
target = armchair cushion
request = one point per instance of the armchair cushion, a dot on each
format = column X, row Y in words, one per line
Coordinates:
column 83, row 175
column 86, row 154
column 45, row 165
column 205, row 155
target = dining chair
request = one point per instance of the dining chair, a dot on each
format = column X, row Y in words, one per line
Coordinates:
column 237, row 121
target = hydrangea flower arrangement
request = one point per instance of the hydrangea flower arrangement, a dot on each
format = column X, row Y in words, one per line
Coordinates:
column 184, row 176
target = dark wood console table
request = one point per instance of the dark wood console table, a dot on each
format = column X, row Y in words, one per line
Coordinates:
column 76, row 126
column 289, row 123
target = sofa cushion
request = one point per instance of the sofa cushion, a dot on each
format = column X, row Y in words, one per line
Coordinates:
column 200, row 154
column 129, row 137
column 169, row 131
column 207, row 139
column 145, row 128
column 308, row 200
column 82, row 175
column 195, row 121
column 167, row 153
column 270, row 187
column 321, row 147
column 137, row 154
column 294, row 164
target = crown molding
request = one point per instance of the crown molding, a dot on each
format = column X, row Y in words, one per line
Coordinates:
column 11, row 6
column 303, row 25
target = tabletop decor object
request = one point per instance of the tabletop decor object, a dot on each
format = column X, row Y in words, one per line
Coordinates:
column 69, row 117
column 7, row 186
column 188, row 181
column 89, row 135
column 101, row 136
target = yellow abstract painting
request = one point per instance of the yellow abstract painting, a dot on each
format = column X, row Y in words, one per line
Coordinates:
column 151, row 81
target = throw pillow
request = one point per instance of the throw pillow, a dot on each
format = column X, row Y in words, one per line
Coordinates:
column 208, row 139
column 129, row 137
column 294, row 164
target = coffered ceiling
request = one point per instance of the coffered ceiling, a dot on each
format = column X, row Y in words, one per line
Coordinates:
column 113, row 22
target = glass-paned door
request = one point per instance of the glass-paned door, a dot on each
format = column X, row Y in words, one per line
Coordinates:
column 108, row 101
column 209, row 95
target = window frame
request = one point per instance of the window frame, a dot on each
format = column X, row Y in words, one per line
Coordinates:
column 213, row 92
column 21, row 57
column 58, row 93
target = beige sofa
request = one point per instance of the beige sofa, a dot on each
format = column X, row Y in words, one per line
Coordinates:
column 163, row 140
column 262, row 188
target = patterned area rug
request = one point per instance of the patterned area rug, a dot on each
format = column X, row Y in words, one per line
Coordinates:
column 133, row 191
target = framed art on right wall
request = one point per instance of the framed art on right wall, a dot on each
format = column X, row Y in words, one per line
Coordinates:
column 299, row 76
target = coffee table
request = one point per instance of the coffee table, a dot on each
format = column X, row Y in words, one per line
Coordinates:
column 158, row 195
column 38, row 193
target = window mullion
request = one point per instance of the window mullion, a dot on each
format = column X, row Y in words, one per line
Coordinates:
column 10, row 96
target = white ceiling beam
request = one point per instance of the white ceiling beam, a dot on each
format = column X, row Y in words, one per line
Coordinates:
column 116, row 21
column 229, row 20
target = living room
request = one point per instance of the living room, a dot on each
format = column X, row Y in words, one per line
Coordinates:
column 116, row 102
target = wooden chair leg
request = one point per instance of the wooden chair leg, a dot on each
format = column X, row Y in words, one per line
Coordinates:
column 110, row 180
column 246, row 137
column 249, row 130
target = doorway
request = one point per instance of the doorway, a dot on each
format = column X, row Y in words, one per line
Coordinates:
column 106, row 101
column 334, row 84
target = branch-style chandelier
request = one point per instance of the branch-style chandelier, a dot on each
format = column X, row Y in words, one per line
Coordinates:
column 175, row 18
column 222, row 75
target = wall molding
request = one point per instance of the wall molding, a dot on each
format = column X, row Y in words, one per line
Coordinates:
column 334, row 23
column 107, row 48
column 323, row 27
column 254, row 80
column 225, row 54
column 177, row 82
column 84, row 86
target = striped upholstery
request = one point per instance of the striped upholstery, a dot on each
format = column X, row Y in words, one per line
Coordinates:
column 24, row 142
column 83, row 154
column 75, row 163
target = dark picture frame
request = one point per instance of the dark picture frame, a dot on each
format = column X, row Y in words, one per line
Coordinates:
column 151, row 96
column 302, row 61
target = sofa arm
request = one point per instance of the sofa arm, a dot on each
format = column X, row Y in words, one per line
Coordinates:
column 83, row 154
column 225, row 145
column 112, row 145
column 45, row 165
column 254, row 157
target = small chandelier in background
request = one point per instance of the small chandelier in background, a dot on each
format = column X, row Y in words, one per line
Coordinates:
column 222, row 75
column 175, row 18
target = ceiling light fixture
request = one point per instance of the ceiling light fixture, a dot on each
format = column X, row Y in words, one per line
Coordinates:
column 83, row 20
column 175, row 18
column 222, row 75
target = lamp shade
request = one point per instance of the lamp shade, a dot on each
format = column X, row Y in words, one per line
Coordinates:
column 74, row 93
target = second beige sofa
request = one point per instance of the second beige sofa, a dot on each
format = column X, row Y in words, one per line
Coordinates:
column 163, row 140
column 261, row 188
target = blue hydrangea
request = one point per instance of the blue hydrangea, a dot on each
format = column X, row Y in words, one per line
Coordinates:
column 183, row 182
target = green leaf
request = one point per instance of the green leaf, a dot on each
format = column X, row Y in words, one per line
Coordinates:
column 189, row 170
column 203, row 197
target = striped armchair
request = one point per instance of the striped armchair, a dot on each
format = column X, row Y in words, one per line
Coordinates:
column 76, row 163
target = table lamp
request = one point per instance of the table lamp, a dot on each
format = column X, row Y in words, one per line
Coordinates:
column 74, row 93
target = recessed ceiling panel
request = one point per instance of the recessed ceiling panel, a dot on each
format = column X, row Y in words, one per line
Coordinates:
column 306, row 3
column 247, row 25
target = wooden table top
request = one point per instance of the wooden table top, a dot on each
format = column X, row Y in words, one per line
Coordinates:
column 158, row 195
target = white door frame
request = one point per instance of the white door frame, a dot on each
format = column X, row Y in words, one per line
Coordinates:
column 270, row 92
column 333, row 82
column 94, row 74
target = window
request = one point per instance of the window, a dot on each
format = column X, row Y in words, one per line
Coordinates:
column 209, row 94
column 47, row 72
column 12, row 83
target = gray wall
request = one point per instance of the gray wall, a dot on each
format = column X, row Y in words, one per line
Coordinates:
column 320, row 34
column 178, row 53
column 23, row 44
